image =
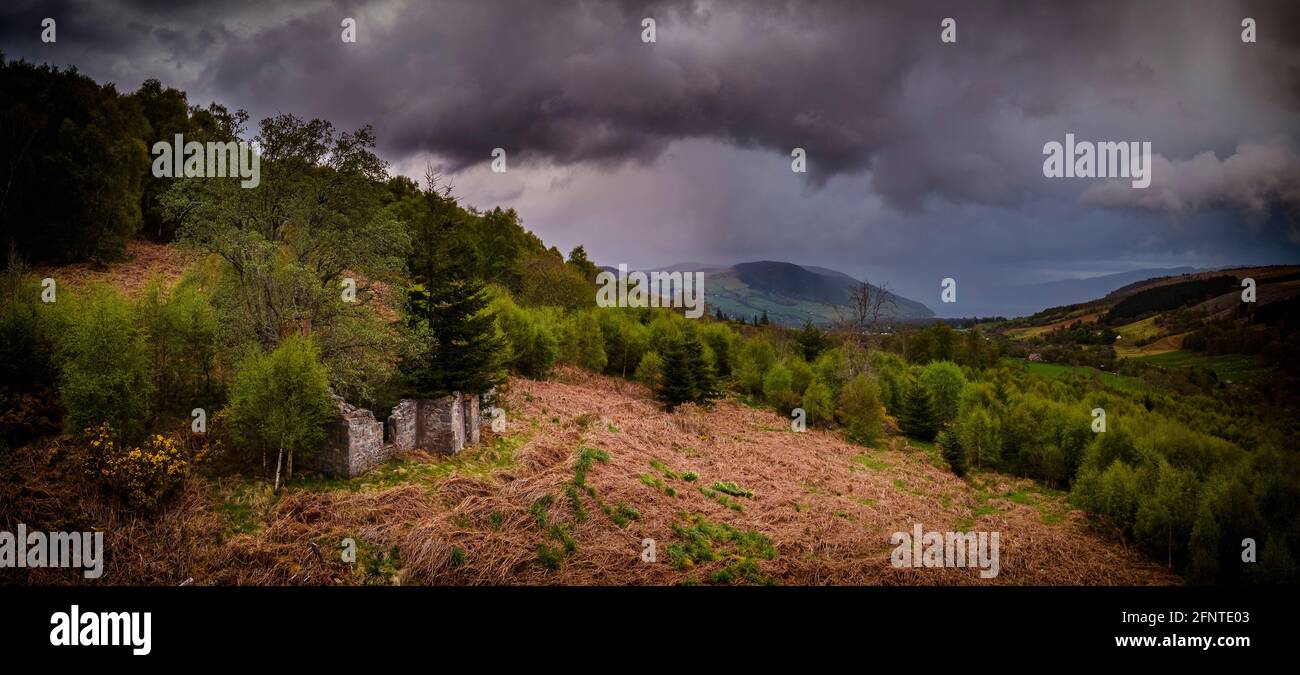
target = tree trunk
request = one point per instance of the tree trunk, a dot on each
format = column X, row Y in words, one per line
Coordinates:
column 289, row 476
column 278, row 460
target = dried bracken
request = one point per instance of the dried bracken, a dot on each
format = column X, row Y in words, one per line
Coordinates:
column 828, row 507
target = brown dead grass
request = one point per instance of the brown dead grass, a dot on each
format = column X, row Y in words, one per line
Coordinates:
column 142, row 260
column 829, row 517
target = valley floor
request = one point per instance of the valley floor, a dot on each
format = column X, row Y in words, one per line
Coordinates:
column 587, row 470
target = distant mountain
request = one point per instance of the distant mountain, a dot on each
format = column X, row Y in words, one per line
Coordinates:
column 1027, row 299
column 789, row 293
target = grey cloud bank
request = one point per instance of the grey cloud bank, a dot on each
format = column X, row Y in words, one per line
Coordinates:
column 925, row 159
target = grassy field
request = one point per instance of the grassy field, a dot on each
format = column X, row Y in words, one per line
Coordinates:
column 1231, row 367
column 1108, row 379
column 1139, row 330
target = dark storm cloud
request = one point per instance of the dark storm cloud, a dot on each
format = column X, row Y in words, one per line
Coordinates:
column 923, row 157
column 860, row 86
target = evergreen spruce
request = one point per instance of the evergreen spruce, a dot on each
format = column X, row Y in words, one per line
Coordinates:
column 953, row 452
column 917, row 416
column 676, row 386
column 461, row 348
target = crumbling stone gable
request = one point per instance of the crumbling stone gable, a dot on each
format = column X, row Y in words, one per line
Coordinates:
column 403, row 426
column 354, row 442
column 442, row 424
column 470, row 411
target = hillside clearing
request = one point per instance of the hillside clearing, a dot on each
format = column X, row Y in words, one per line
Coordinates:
column 589, row 468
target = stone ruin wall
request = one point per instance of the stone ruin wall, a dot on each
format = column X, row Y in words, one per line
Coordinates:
column 356, row 441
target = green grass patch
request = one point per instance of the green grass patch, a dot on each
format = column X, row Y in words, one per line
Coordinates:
column 1057, row 371
column 865, row 461
column 722, row 499
column 701, row 540
column 1229, row 367
column 664, row 469
column 473, row 462
column 732, row 489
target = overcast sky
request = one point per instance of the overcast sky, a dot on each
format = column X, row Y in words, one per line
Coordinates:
column 924, row 158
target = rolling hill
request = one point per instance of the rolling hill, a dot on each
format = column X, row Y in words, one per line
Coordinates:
column 789, row 293
column 1152, row 317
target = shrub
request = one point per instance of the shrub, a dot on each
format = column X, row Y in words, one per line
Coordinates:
column 626, row 340
column 281, row 401
column 778, row 388
column 944, row 381
column 28, row 371
column 180, row 329
column 106, row 376
column 719, row 339
column 801, row 374
column 818, row 403
column 583, row 343
column 756, row 357
column 859, row 409
column 649, row 370
column 143, row 475
column 530, row 333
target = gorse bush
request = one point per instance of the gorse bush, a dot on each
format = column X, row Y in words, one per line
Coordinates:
column 143, row 475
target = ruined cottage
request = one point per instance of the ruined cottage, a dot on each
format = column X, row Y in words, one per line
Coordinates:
column 356, row 440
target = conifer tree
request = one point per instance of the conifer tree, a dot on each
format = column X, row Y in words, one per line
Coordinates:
column 917, row 417
column 676, row 386
column 953, row 452
column 704, row 381
column 460, row 350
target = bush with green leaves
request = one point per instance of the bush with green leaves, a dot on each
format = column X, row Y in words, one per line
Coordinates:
column 778, row 389
column 180, row 328
column 756, row 357
column 29, row 405
column 106, row 376
column 819, row 403
column 945, row 383
column 582, row 344
column 650, row 370
column 531, row 336
column 626, row 338
column 860, row 411
column 280, row 402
